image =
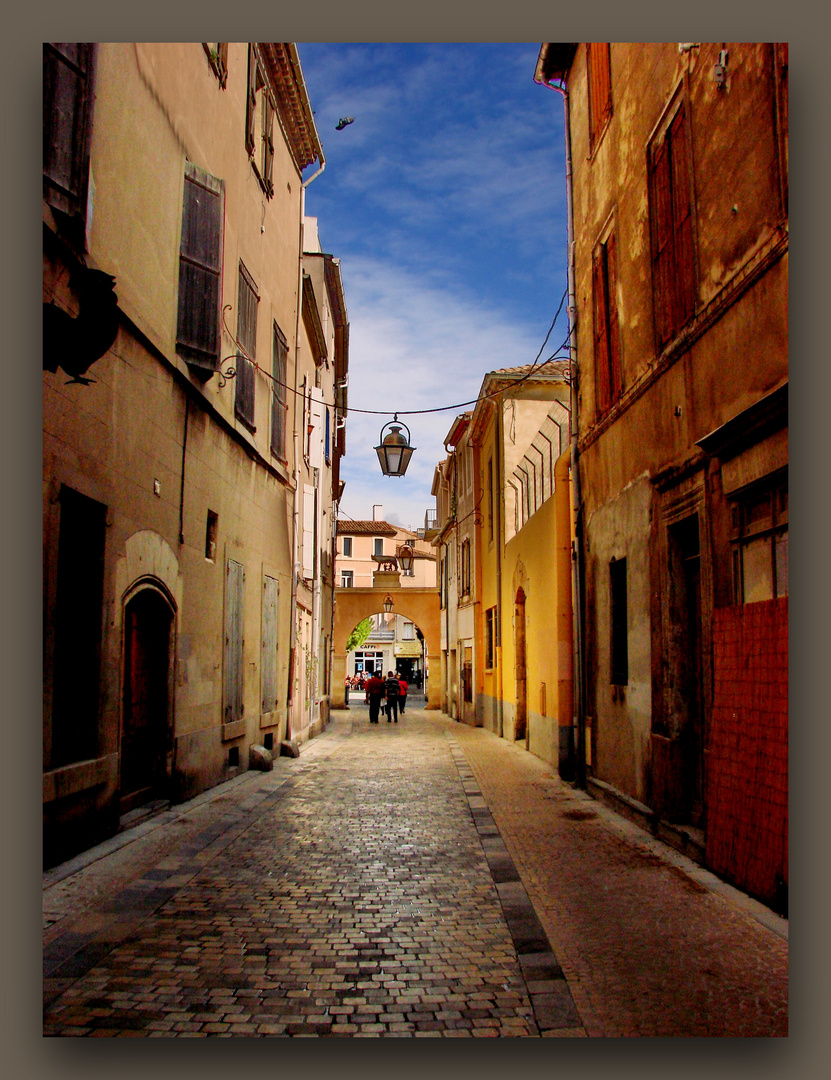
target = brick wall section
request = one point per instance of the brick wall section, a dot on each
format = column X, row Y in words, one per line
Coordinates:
column 747, row 809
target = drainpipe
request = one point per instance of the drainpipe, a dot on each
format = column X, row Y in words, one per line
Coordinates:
column 578, row 585
column 498, row 510
column 298, row 452
column 565, row 616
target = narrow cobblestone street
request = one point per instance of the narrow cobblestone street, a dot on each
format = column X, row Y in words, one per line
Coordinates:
column 419, row 879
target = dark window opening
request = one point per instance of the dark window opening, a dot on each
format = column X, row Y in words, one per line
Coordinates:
column 233, row 757
column 619, row 631
column 210, row 535
column 491, row 638
column 78, row 617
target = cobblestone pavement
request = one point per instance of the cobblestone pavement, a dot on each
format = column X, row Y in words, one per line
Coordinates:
column 423, row 880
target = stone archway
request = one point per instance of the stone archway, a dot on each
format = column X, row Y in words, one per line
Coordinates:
column 419, row 605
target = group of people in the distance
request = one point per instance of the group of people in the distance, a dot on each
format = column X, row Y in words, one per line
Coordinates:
column 392, row 691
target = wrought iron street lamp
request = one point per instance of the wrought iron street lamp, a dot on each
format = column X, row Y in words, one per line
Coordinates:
column 405, row 557
column 394, row 451
column 388, row 603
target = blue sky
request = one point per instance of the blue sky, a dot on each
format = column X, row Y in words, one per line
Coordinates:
column 445, row 202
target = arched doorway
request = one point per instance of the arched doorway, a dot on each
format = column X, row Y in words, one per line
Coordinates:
column 146, row 731
column 521, row 669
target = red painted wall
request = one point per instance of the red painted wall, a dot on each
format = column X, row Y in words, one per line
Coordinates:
column 747, row 774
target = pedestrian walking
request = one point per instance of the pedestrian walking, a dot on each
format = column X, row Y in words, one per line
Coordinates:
column 402, row 700
column 393, row 691
column 374, row 692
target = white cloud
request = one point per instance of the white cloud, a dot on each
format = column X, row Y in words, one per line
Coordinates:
column 413, row 346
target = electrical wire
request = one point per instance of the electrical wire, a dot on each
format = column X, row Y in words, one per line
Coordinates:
column 534, row 368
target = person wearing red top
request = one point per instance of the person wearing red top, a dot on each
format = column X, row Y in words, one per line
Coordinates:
column 374, row 691
column 402, row 700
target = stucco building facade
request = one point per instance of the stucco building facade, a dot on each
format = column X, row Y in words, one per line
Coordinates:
column 678, row 179
column 174, row 344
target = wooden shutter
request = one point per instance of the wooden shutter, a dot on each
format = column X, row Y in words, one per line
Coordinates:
column 279, row 395
column 600, row 87
column 251, row 101
column 662, row 244
column 271, row 596
column 268, row 142
column 684, row 297
column 247, row 300
column 308, row 530
column 601, row 330
column 316, row 432
column 615, row 380
column 200, row 269
column 234, row 642
column 68, row 77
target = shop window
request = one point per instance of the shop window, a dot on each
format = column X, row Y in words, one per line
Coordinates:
column 618, row 623
column 670, row 201
column 759, row 539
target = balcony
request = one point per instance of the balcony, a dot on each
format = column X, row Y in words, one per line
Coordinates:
column 431, row 524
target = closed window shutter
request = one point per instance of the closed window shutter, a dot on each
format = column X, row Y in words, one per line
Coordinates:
column 200, row 269
column 316, row 434
column 308, row 530
column 615, row 380
column 601, row 331
column 682, row 222
column 247, row 300
column 251, row 108
column 234, row 643
column 662, row 243
column 271, row 596
column 600, row 87
column 68, row 73
column 268, row 140
column 278, row 397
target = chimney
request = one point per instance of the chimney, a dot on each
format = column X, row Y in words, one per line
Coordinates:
column 377, row 512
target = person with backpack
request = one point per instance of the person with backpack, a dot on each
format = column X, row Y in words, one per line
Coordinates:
column 393, row 690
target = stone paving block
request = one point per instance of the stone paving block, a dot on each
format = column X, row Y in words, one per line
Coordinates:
column 378, row 894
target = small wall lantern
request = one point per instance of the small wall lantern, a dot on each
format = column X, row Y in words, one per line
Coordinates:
column 394, row 451
column 388, row 603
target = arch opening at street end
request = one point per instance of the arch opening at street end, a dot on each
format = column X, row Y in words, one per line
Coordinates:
column 419, row 606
